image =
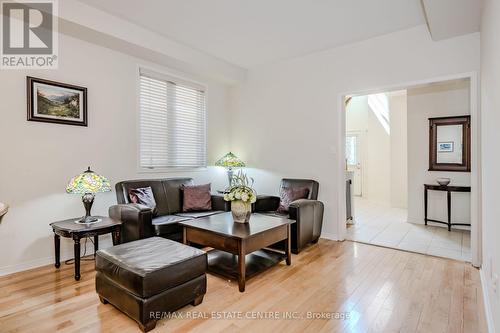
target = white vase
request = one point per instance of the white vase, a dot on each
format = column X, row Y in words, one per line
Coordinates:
column 241, row 211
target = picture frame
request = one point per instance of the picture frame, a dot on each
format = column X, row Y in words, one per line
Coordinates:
column 446, row 147
column 56, row 102
column 463, row 145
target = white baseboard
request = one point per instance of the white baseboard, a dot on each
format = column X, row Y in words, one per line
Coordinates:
column 30, row 264
column 35, row 263
column 414, row 220
column 487, row 307
column 6, row 270
column 330, row 236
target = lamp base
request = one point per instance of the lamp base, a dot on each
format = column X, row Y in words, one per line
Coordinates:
column 88, row 200
column 87, row 220
column 230, row 176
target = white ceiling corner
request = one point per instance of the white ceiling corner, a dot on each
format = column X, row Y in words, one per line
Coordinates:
column 452, row 18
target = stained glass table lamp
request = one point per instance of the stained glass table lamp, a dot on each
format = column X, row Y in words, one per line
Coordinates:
column 88, row 183
column 230, row 161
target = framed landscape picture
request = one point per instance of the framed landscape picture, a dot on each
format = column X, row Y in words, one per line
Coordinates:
column 55, row 102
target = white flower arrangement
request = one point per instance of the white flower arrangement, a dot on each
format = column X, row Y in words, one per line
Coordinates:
column 241, row 189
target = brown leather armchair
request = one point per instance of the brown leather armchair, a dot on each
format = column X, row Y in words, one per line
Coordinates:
column 308, row 213
column 139, row 221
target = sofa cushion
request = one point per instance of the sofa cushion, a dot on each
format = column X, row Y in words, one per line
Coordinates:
column 196, row 215
column 143, row 196
column 167, row 226
column 169, row 219
column 289, row 195
column 150, row 266
column 196, row 198
column 311, row 185
column 173, row 193
column 276, row 214
column 123, row 188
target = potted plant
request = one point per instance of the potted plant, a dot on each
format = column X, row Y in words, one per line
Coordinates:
column 242, row 196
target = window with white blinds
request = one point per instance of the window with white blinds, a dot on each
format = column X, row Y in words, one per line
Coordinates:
column 172, row 122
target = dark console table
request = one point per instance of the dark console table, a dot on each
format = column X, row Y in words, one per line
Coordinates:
column 448, row 190
column 76, row 231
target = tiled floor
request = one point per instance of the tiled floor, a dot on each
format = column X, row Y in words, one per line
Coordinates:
column 382, row 225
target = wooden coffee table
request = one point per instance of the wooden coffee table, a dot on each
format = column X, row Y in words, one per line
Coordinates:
column 239, row 247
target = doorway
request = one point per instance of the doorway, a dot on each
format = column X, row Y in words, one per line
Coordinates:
column 386, row 156
column 354, row 162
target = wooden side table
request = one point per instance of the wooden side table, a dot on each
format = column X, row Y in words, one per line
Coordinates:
column 447, row 189
column 71, row 229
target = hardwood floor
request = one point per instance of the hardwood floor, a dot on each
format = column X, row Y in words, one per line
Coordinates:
column 380, row 289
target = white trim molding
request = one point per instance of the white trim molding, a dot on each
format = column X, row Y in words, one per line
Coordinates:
column 40, row 262
column 329, row 236
column 486, row 302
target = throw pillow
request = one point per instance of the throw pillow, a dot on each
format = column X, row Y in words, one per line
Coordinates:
column 289, row 195
column 143, row 196
column 196, row 198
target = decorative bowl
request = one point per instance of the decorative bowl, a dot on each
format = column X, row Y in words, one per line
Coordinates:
column 443, row 181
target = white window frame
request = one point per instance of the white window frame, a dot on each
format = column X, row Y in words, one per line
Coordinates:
column 175, row 75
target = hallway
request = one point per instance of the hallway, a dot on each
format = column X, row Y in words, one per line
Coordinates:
column 381, row 225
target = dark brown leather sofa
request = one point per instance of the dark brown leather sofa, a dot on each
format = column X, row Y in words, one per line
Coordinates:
column 308, row 213
column 138, row 220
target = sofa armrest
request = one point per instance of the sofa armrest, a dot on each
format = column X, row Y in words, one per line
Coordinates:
column 136, row 221
column 305, row 202
column 308, row 215
column 218, row 203
column 267, row 203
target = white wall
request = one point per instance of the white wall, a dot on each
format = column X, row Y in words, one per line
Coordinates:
column 399, row 149
column 437, row 100
column 287, row 115
column 490, row 106
column 38, row 159
column 375, row 150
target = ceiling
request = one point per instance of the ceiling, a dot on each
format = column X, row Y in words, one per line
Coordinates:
column 254, row 32
column 451, row 18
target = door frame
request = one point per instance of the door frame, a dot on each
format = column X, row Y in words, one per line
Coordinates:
column 476, row 189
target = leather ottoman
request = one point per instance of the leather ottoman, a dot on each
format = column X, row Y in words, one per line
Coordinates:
column 150, row 275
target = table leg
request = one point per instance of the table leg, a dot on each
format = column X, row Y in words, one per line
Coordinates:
column 184, row 235
column 77, row 258
column 57, row 248
column 425, row 205
column 288, row 245
column 116, row 236
column 448, row 200
column 241, row 267
column 96, row 244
